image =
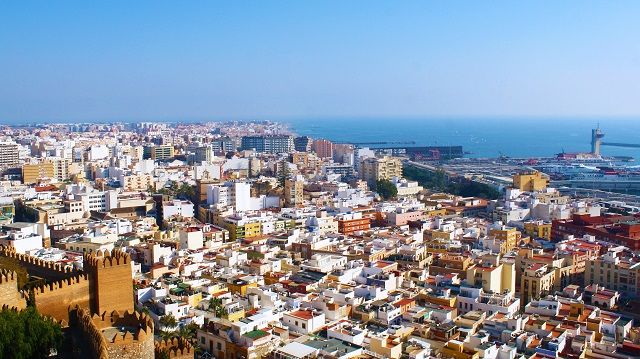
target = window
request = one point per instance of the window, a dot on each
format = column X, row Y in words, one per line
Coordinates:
column 219, row 346
column 202, row 340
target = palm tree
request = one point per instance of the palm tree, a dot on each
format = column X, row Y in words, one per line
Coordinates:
column 168, row 321
column 283, row 172
column 215, row 304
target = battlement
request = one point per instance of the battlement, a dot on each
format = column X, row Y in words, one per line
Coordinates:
column 106, row 259
column 44, row 289
column 9, row 293
column 175, row 347
column 31, row 262
column 142, row 322
column 6, row 307
column 7, row 276
column 107, row 334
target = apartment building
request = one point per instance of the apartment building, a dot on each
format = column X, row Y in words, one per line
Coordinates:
column 374, row 169
column 616, row 270
column 293, row 192
column 323, row 148
column 268, row 144
column 159, row 152
column 530, row 181
column 9, row 155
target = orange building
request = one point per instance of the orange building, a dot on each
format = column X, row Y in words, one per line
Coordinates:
column 349, row 226
column 323, row 148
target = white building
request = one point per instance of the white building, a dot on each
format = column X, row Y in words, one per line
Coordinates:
column 303, row 321
column 24, row 237
column 476, row 299
column 177, row 207
column 191, row 238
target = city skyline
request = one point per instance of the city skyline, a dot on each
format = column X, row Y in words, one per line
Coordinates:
column 71, row 61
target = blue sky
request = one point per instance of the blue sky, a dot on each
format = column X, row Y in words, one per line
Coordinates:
column 85, row 60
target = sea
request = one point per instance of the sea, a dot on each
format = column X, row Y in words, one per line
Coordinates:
column 480, row 137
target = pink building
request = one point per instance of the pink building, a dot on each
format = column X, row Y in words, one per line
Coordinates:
column 323, row 148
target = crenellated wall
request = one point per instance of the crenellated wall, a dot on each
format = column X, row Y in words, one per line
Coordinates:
column 56, row 298
column 96, row 331
column 9, row 294
column 177, row 348
column 48, row 270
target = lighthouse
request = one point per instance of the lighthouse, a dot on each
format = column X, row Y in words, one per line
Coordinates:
column 596, row 140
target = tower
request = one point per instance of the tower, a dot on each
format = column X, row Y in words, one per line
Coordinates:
column 9, row 293
column 596, row 140
column 110, row 281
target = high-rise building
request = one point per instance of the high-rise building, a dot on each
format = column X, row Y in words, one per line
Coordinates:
column 203, row 154
column 223, row 145
column 302, row 144
column 385, row 168
column 293, row 192
column 268, row 144
column 9, row 155
column 159, row 152
column 323, row 148
column 33, row 172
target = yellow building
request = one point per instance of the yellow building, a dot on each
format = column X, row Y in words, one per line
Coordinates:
column 240, row 286
column 538, row 229
column 537, row 281
column 507, row 235
column 374, row 169
column 34, row 172
column 436, row 212
column 455, row 349
column 137, row 182
column 387, row 346
column 293, row 192
column 494, row 279
column 530, row 181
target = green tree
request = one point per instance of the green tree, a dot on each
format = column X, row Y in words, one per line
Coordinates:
column 163, row 354
column 215, row 305
column 186, row 191
column 189, row 332
column 168, row 321
column 261, row 187
column 27, row 335
column 386, row 189
column 283, row 172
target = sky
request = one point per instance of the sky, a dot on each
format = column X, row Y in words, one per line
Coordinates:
column 211, row 60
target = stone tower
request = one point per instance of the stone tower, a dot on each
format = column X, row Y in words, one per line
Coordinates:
column 9, row 294
column 110, row 281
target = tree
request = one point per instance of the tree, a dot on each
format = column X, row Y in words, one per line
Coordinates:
column 189, row 332
column 168, row 321
column 261, row 187
column 27, row 335
column 283, row 172
column 386, row 189
column 215, row 305
column 186, row 191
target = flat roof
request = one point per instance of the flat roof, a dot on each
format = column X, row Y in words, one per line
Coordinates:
column 297, row 350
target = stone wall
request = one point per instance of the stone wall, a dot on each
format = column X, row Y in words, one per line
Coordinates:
column 9, row 294
column 37, row 267
column 121, row 345
column 56, row 298
column 177, row 348
column 111, row 281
